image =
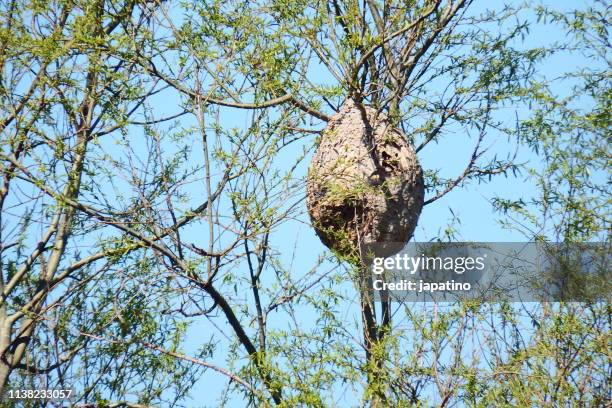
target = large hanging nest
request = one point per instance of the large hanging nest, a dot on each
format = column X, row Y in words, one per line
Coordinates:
column 365, row 185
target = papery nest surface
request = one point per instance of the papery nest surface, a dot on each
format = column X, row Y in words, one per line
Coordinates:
column 365, row 186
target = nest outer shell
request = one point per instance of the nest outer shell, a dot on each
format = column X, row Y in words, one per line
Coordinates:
column 364, row 192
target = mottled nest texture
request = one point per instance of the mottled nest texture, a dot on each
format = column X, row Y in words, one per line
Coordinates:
column 365, row 185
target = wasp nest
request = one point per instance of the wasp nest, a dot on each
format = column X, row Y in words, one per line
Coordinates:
column 365, row 185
